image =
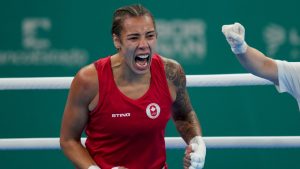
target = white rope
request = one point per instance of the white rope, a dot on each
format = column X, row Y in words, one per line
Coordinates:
column 35, row 83
column 171, row 143
column 225, row 80
column 192, row 81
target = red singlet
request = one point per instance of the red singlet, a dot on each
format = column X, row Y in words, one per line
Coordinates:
column 126, row 132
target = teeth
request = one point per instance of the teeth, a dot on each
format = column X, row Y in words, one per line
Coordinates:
column 143, row 56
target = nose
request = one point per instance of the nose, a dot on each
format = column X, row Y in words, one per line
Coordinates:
column 143, row 43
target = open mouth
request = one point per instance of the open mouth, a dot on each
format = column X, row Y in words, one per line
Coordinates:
column 142, row 61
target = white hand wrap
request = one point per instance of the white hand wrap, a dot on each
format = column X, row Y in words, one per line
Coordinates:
column 94, row 167
column 198, row 153
column 235, row 36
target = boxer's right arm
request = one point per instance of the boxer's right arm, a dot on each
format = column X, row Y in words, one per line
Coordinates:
column 75, row 118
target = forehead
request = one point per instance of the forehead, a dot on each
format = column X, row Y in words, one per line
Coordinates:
column 138, row 24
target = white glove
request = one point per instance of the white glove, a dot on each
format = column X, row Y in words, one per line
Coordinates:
column 119, row 167
column 94, row 167
column 198, row 153
column 235, row 36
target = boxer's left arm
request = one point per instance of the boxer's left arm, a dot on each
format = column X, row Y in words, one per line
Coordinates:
column 184, row 116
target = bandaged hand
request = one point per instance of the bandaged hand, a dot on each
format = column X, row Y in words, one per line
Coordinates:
column 96, row 167
column 235, row 36
column 195, row 154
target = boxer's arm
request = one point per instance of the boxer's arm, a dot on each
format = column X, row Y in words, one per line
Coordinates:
column 75, row 118
column 185, row 118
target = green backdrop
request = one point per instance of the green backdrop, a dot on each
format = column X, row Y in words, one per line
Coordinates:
column 55, row 38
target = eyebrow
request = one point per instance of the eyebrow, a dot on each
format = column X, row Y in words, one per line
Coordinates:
column 150, row 32
column 133, row 34
column 137, row 34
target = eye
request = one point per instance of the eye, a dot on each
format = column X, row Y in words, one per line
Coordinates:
column 151, row 36
column 133, row 38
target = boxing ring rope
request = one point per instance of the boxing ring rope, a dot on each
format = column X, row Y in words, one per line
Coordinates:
column 220, row 80
column 171, row 143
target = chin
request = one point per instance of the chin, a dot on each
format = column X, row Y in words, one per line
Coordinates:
column 141, row 72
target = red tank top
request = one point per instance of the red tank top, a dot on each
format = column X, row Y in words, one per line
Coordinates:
column 126, row 132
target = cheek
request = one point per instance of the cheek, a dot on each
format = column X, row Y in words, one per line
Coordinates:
column 128, row 54
column 127, row 49
column 152, row 42
column 152, row 45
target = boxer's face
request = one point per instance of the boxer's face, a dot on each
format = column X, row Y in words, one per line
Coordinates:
column 137, row 43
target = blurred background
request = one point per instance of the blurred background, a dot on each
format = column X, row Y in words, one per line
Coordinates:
column 55, row 38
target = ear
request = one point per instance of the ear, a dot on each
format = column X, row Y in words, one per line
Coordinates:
column 117, row 41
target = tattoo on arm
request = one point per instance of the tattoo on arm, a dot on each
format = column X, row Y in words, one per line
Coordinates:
column 176, row 75
column 184, row 117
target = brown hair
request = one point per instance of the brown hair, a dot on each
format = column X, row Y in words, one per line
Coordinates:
column 128, row 11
